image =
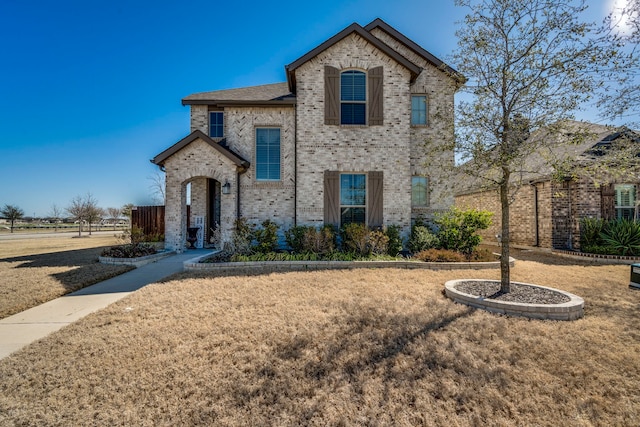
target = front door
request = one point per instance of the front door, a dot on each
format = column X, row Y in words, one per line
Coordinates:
column 213, row 188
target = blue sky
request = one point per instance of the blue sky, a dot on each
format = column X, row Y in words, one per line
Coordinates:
column 91, row 90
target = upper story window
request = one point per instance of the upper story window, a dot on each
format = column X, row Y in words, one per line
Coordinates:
column 625, row 201
column 418, row 110
column 419, row 191
column 267, row 154
column 216, row 124
column 353, row 98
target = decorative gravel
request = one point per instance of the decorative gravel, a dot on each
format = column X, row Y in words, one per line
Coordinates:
column 519, row 293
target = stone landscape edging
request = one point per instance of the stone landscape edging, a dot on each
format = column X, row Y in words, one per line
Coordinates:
column 136, row 262
column 195, row 265
column 609, row 259
column 571, row 310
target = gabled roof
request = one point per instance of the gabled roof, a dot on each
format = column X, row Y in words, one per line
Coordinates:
column 271, row 94
column 353, row 28
column 379, row 23
column 235, row 158
column 578, row 143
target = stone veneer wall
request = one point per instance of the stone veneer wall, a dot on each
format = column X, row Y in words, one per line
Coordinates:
column 387, row 148
column 424, row 159
column 194, row 164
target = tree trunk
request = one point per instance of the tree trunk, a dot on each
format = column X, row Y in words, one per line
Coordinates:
column 12, row 226
column 505, row 279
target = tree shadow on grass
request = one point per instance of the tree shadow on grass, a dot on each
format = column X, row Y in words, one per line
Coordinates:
column 358, row 349
column 83, row 267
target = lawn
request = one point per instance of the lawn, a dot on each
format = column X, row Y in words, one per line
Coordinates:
column 355, row 347
column 35, row 271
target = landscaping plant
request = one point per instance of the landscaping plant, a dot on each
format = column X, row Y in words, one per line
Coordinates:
column 266, row 237
column 458, row 229
column 622, row 237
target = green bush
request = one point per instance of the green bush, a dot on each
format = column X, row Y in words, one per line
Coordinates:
column 622, row 237
column 295, row 237
column 395, row 241
column 596, row 249
column 242, row 238
column 422, row 238
column 266, row 237
column 590, row 232
column 457, row 229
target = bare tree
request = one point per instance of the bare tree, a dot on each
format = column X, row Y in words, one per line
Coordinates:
column 78, row 210
column 55, row 213
column 157, row 187
column 530, row 65
column 93, row 213
column 126, row 211
column 621, row 99
column 114, row 216
column 12, row 213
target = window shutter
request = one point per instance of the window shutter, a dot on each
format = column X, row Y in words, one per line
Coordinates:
column 331, row 95
column 375, row 96
column 332, row 198
column 608, row 207
column 374, row 205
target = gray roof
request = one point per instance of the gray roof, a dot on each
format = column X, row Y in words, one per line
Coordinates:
column 573, row 145
column 275, row 93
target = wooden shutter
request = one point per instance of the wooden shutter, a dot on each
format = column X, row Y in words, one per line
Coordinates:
column 375, row 191
column 331, row 95
column 375, row 77
column 608, row 199
column 332, row 198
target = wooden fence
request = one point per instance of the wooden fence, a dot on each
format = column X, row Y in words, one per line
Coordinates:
column 149, row 218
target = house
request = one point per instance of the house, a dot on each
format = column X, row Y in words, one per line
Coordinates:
column 546, row 209
column 342, row 140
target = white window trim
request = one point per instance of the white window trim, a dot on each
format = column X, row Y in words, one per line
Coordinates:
column 366, row 196
column 255, row 154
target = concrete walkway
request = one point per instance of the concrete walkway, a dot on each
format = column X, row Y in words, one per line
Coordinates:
column 24, row 328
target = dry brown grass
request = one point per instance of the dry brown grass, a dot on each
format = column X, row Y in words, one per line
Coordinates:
column 34, row 271
column 361, row 347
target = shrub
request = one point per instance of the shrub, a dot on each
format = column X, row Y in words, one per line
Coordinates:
column 132, row 250
column 377, row 242
column 458, row 229
column 483, row 255
column 590, row 232
column 596, row 249
column 241, row 239
column 295, row 237
column 266, row 237
column 622, row 237
column 320, row 241
column 439, row 255
column 355, row 238
column 422, row 239
column 395, row 241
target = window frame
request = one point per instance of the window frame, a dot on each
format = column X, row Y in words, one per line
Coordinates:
column 427, row 201
column 258, row 163
column 426, row 110
column 363, row 102
column 359, row 206
column 633, row 198
column 218, row 125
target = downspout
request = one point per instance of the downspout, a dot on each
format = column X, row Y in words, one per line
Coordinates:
column 295, row 165
column 570, row 219
column 238, row 195
column 535, row 214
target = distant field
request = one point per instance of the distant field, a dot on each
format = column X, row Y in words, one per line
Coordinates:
column 66, row 228
column 336, row 348
column 34, row 271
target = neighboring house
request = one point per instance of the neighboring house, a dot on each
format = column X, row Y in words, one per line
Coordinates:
column 546, row 212
column 343, row 140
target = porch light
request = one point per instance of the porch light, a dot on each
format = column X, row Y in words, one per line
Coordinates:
column 226, row 188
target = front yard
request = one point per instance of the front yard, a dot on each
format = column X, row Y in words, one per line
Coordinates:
column 360, row 347
column 35, row 271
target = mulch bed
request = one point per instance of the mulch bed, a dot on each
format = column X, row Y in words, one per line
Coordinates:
column 519, row 293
